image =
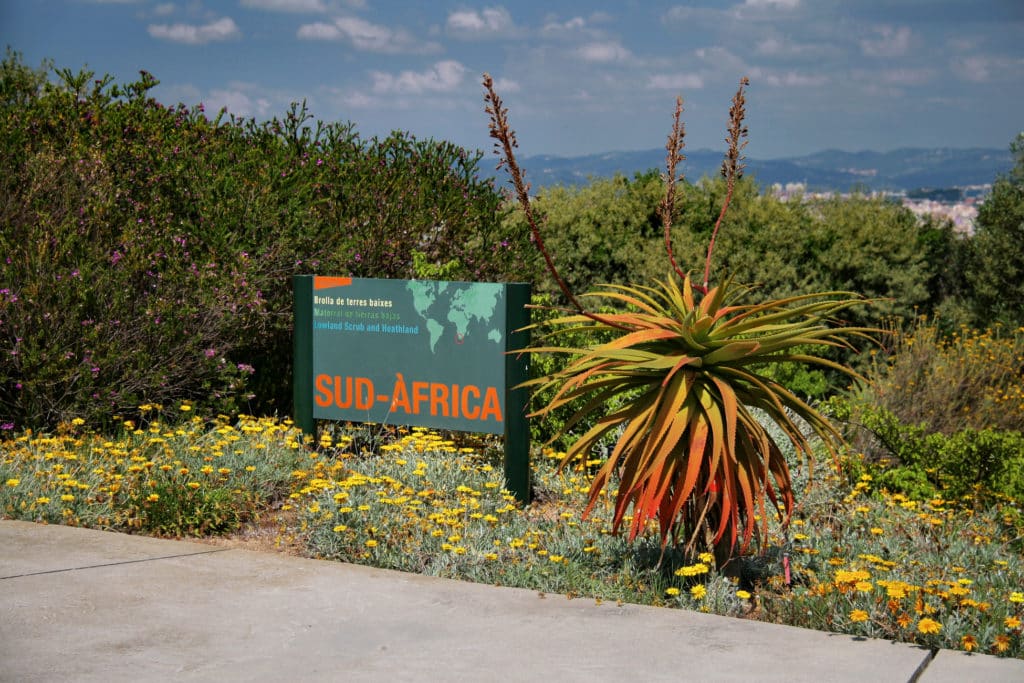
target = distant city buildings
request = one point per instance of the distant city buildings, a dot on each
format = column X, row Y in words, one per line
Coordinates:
column 961, row 212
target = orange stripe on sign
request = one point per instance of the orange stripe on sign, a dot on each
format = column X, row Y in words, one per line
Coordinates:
column 328, row 282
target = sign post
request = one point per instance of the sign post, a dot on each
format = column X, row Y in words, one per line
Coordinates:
column 425, row 353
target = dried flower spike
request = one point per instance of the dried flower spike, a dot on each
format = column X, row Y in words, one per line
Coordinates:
column 674, row 147
column 504, row 147
column 732, row 166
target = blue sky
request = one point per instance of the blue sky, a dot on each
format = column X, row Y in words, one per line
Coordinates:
column 578, row 77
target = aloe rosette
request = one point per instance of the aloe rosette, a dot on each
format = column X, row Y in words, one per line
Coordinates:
column 680, row 377
column 679, row 382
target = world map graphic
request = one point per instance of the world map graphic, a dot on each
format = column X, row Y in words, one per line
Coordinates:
column 457, row 311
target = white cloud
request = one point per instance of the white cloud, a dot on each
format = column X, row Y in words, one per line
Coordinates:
column 787, row 79
column 960, row 44
column 604, row 52
column 891, row 42
column 186, row 93
column 771, row 47
column 689, row 16
column 364, row 35
column 238, row 103
column 164, row 9
column 241, row 98
column 359, row 100
column 722, row 59
column 974, row 69
column 286, row 5
column 782, row 4
column 554, row 27
column 675, row 82
column 367, row 36
column 907, row 76
column 779, row 47
column 486, row 22
column 444, row 76
column 221, row 29
column 319, row 31
column 505, row 85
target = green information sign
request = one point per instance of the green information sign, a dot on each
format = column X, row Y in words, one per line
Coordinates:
column 413, row 352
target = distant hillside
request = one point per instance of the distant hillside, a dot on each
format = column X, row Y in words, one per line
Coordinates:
column 901, row 169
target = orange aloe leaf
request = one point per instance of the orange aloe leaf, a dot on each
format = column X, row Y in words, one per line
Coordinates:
column 807, row 360
column 712, row 301
column 745, row 479
column 674, row 298
column 727, row 506
column 671, row 508
column 610, row 384
column 639, row 337
column 683, row 361
column 631, row 355
column 655, row 485
column 587, row 441
column 627, row 445
column 630, row 297
column 697, row 442
column 730, row 404
column 661, row 474
column 719, row 445
column 768, row 399
column 772, row 312
column 658, row 501
column 687, row 293
column 573, row 383
column 731, row 352
column 726, row 311
column 670, row 400
column 598, row 402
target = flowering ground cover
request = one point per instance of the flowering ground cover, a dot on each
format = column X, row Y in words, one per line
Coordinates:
column 196, row 478
column 856, row 559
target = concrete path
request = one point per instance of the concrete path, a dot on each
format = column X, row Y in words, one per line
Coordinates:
column 83, row 605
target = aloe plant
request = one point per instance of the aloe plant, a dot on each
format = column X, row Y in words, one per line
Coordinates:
column 680, row 381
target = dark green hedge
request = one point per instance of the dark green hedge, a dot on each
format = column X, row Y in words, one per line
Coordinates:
column 146, row 251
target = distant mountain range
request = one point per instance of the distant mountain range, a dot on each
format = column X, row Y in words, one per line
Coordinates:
column 830, row 170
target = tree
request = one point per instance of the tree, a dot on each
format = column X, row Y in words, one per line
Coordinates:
column 996, row 273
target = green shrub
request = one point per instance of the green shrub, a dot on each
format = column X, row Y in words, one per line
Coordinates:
column 148, row 250
column 549, row 428
column 911, row 459
column 943, row 414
